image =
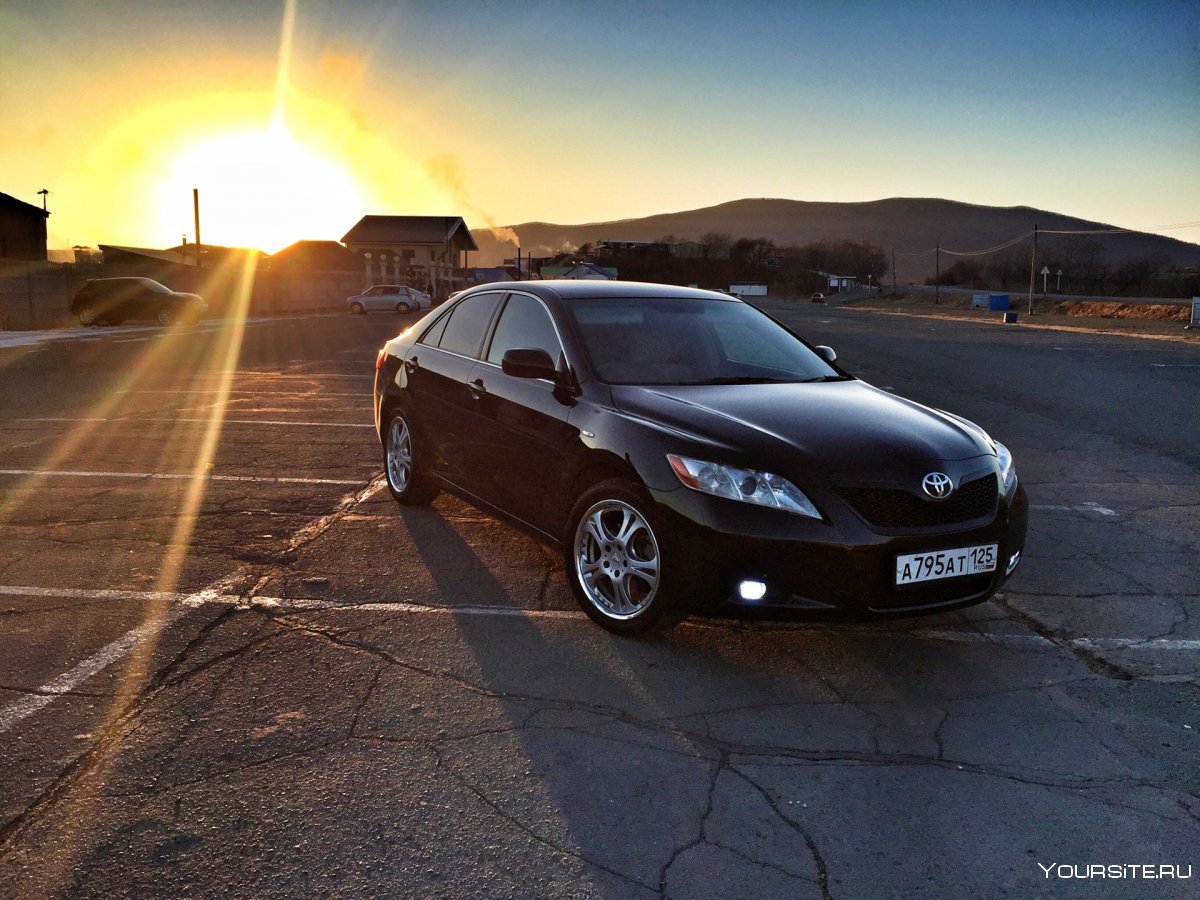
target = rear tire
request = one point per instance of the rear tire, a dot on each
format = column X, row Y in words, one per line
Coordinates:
column 87, row 315
column 357, row 309
column 165, row 317
column 405, row 480
column 613, row 553
column 403, row 308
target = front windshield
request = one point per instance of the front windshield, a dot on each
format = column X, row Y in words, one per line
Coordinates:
column 670, row 340
column 153, row 285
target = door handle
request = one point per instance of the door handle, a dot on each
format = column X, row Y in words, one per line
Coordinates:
column 476, row 388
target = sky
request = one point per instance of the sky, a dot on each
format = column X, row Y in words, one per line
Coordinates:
column 295, row 118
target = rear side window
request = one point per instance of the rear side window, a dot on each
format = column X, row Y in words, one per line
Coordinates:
column 468, row 324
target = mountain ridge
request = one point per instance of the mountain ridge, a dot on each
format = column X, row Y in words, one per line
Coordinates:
column 908, row 225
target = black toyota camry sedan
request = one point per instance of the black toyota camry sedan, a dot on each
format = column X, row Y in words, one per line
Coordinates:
column 688, row 453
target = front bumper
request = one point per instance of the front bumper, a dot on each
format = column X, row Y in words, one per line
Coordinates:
column 812, row 568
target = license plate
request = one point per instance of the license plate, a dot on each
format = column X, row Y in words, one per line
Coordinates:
column 945, row 564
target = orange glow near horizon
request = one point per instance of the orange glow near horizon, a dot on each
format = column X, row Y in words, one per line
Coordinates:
column 269, row 173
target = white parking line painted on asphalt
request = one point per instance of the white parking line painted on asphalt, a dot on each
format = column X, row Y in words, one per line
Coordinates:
column 1085, row 507
column 315, row 392
column 90, row 334
column 94, row 664
column 181, row 476
column 106, row 656
column 181, row 602
column 307, row 376
column 306, row 604
column 139, row 421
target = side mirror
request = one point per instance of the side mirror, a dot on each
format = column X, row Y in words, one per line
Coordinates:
column 826, row 353
column 528, row 363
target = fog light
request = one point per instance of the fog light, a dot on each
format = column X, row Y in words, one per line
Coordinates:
column 1012, row 563
column 752, row 590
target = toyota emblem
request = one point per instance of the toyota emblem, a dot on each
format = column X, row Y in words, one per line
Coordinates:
column 937, row 485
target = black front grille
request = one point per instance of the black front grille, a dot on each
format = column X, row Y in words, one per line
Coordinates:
column 891, row 508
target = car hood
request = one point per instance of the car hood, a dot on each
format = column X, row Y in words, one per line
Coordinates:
column 832, row 426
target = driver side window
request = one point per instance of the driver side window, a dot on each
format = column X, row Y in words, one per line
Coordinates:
column 524, row 324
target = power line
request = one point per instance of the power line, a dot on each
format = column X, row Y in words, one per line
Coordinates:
column 998, row 247
column 1028, row 234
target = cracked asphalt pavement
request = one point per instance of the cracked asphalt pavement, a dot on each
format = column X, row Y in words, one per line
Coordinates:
column 231, row 665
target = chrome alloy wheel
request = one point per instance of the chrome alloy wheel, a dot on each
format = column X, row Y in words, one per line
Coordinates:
column 399, row 455
column 616, row 559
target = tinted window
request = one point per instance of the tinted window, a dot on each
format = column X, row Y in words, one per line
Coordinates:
column 524, row 324
column 433, row 334
column 468, row 322
column 634, row 340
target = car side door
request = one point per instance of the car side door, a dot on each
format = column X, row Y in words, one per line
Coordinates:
column 434, row 378
column 371, row 298
column 518, row 445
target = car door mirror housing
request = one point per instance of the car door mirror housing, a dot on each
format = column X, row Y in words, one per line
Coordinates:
column 528, row 363
column 826, row 353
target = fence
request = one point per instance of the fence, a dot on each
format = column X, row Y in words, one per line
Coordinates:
column 38, row 294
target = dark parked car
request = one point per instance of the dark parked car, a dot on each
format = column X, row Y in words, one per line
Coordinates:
column 113, row 300
column 685, row 451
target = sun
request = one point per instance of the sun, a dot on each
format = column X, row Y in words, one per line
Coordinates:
column 262, row 188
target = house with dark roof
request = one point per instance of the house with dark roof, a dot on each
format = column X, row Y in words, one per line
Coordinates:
column 22, row 230
column 316, row 256
column 413, row 249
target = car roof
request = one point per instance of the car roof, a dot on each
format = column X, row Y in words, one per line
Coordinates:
column 568, row 290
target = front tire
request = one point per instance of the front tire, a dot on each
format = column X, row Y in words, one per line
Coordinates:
column 87, row 315
column 166, row 317
column 615, row 564
column 357, row 309
column 405, row 480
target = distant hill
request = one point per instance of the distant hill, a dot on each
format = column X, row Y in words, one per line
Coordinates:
column 900, row 223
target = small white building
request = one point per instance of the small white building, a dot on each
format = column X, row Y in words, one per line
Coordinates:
column 584, row 271
column 748, row 289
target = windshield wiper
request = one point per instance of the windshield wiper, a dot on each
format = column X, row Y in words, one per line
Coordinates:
column 743, row 379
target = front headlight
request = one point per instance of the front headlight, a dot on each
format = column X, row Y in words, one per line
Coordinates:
column 746, row 485
column 1008, row 472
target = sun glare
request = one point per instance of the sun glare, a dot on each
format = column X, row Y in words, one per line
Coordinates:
column 262, row 189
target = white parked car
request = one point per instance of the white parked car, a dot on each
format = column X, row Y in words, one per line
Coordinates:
column 389, row 297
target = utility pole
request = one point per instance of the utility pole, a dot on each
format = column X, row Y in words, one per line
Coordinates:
column 937, row 278
column 894, row 270
column 1032, row 264
column 196, row 213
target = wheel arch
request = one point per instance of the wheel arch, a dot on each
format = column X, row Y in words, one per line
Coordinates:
column 599, row 466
